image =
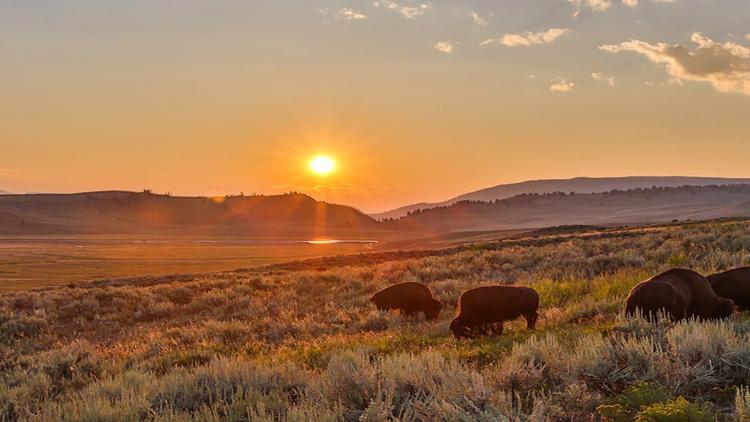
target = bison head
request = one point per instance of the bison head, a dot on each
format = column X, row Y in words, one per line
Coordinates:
column 433, row 309
column 724, row 309
column 458, row 329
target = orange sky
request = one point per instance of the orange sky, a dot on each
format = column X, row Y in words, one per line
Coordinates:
column 415, row 103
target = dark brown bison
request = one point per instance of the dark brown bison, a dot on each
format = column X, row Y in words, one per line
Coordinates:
column 484, row 308
column 733, row 284
column 679, row 293
column 410, row 298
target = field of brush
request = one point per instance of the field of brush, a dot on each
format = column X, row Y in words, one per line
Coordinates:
column 301, row 342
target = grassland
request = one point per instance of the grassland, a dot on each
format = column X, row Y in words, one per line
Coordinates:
column 300, row 341
column 45, row 262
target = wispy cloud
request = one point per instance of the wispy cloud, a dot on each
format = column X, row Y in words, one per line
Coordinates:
column 342, row 14
column 595, row 5
column 444, row 46
column 350, row 14
column 725, row 66
column 477, row 18
column 560, row 84
column 407, row 11
column 528, row 38
column 604, row 5
column 599, row 76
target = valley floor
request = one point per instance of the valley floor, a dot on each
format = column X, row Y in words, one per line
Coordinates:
column 300, row 341
column 44, row 261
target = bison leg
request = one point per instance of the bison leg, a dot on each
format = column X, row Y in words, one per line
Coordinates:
column 409, row 312
column 475, row 331
column 483, row 330
column 531, row 320
column 491, row 329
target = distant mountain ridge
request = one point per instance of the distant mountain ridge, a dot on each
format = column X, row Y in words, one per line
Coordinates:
column 293, row 215
column 578, row 185
column 297, row 216
column 617, row 207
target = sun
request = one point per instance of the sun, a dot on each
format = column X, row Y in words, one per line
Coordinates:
column 322, row 165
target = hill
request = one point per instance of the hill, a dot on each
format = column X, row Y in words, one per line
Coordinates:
column 577, row 185
column 558, row 209
column 129, row 213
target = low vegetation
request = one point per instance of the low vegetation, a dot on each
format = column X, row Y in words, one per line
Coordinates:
column 26, row 264
column 296, row 344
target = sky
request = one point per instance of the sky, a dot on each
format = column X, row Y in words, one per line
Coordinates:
column 415, row 100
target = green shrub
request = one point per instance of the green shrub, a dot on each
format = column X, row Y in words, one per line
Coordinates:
column 677, row 410
column 14, row 327
column 678, row 260
column 627, row 404
column 71, row 368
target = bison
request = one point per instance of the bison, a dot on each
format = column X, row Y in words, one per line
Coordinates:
column 733, row 284
column 410, row 298
column 482, row 308
column 679, row 293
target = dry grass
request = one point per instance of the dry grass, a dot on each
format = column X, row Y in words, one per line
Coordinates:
column 48, row 262
column 285, row 344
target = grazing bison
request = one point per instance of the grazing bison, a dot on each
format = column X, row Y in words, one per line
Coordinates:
column 482, row 308
column 410, row 298
column 680, row 293
column 733, row 284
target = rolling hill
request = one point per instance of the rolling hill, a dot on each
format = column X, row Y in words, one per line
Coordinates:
column 577, row 185
column 145, row 214
column 298, row 216
column 611, row 208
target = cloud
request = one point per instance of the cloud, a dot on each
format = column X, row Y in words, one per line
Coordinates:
column 409, row 12
column 444, row 46
column 599, row 76
column 595, row 5
column 604, row 5
column 528, row 38
column 559, row 84
column 350, row 14
column 747, row 37
column 477, row 18
column 725, row 66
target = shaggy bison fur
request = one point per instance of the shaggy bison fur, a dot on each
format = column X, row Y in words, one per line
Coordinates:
column 733, row 284
column 679, row 293
column 410, row 298
column 484, row 308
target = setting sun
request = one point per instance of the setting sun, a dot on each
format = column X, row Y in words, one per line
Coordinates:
column 322, row 165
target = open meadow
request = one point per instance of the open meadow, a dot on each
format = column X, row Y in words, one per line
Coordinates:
column 29, row 263
column 302, row 342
